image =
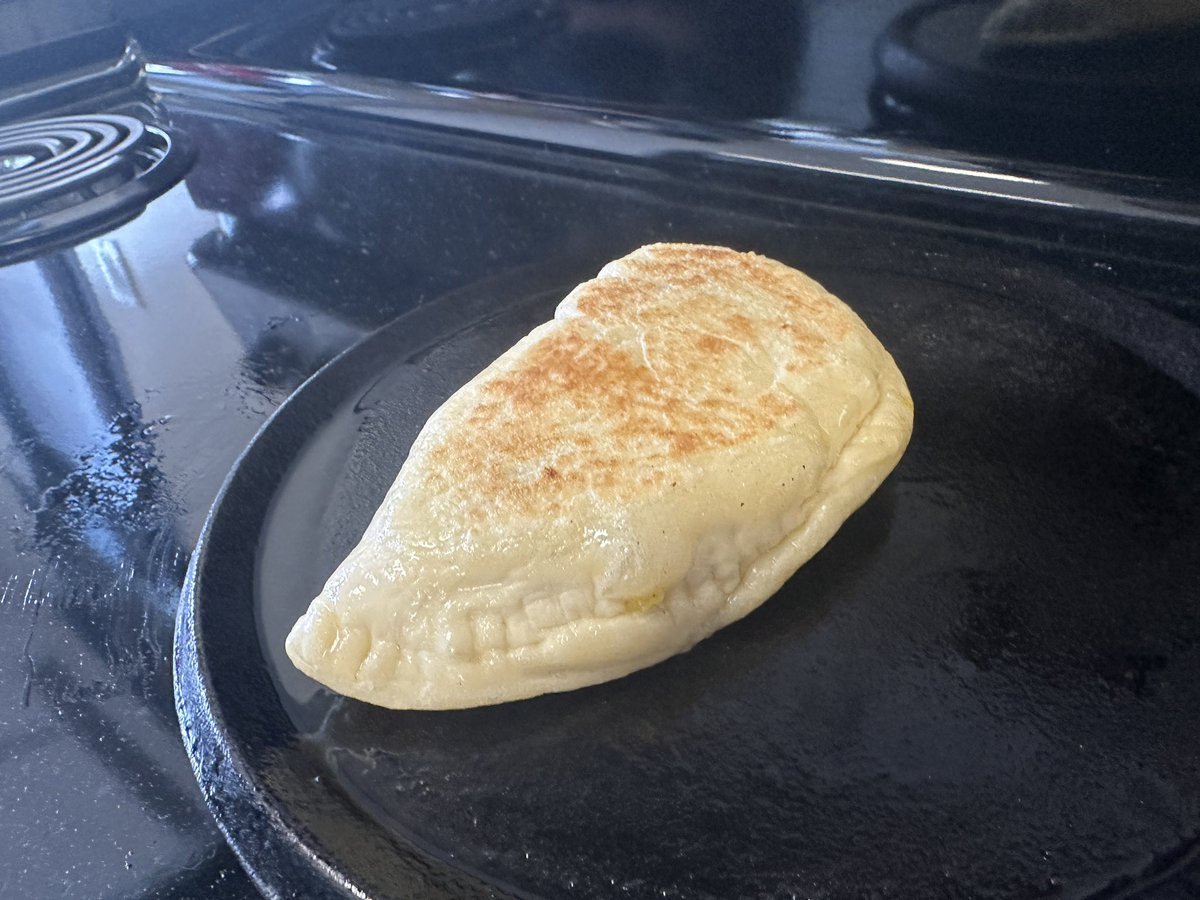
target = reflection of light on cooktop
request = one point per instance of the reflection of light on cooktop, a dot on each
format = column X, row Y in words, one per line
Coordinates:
column 67, row 178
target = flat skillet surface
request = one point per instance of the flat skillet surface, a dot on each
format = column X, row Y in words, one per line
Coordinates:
column 986, row 685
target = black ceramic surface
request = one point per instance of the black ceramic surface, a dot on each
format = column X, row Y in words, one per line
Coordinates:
column 984, row 686
column 136, row 365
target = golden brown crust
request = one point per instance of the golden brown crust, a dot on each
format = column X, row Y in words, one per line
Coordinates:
column 654, row 363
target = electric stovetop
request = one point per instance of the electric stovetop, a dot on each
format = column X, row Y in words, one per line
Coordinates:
column 245, row 254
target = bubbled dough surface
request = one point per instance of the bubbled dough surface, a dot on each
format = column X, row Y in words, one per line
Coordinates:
column 652, row 464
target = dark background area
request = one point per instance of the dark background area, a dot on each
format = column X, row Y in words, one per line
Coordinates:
column 891, row 68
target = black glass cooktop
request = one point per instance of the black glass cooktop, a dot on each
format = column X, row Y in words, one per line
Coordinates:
column 345, row 164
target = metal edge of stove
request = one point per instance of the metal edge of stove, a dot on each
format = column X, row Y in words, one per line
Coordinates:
column 1094, row 201
column 114, row 85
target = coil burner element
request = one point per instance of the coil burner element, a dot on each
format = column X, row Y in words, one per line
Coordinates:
column 65, row 179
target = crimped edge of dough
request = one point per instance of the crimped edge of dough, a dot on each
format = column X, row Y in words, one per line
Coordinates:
column 867, row 458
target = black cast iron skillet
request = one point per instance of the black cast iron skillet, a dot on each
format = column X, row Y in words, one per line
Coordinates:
column 985, row 686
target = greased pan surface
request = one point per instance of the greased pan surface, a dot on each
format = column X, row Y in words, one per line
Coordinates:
column 985, row 685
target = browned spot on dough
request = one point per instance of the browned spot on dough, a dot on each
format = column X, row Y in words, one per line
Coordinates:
column 589, row 414
column 740, row 326
column 713, row 345
column 683, row 443
column 806, row 342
